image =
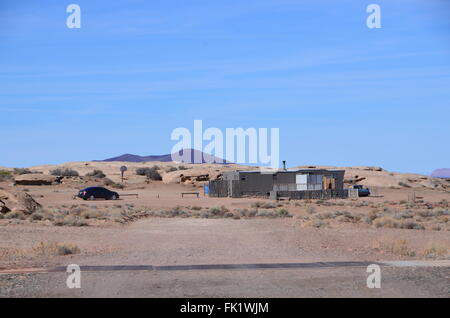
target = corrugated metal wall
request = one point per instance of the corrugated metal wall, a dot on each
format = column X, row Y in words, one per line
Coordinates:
column 218, row 188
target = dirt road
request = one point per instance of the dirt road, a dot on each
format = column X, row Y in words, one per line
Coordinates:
column 178, row 241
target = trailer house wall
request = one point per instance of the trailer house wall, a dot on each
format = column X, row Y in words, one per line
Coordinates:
column 291, row 183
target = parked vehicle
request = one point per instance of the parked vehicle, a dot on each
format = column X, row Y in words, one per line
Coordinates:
column 93, row 193
column 362, row 192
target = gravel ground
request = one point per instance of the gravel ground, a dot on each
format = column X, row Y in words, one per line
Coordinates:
column 334, row 282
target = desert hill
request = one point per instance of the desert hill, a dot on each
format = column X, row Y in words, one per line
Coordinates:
column 191, row 173
column 166, row 158
column 441, row 173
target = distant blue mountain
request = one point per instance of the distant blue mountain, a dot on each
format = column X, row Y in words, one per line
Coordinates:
column 441, row 173
column 165, row 158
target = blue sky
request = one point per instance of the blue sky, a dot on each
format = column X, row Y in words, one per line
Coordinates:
column 342, row 94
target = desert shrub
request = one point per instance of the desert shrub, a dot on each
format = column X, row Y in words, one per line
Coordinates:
column 67, row 249
column 405, row 185
column 153, row 175
column 325, row 215
column 283, row 212
column 397, row 247
column 52, row 248
column 93, row 214
column 434, row 213
column 21, row 171
column 5, row 175
column 264, row 205
column 256, row 204
column 435, row 252
column 246, row 212
column 319, row 224
column 385, row 221
column 96, row 174
column 182, row 168
column 372, row 215
column 150, row 173
column 205, row 215
column 310, row 210
column 65, row 172
column 15, row 215
column 196, row 208
column 69, row 220
column 43, row 214
column 402, row 215
column 171, row 168
column 142, row 171
column 218, row 211
column 77, row 210
column 109, row 183
column 266, row 213
column 411, row 225
column 36, row 216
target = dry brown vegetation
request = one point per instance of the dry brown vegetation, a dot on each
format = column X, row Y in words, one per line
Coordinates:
column 398, row 215
column 84, row 215
column 54, row 248
column 402, row 248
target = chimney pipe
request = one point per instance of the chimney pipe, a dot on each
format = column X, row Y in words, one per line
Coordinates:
column 284, row 165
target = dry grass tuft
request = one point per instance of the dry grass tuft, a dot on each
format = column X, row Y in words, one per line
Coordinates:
column 53, row 249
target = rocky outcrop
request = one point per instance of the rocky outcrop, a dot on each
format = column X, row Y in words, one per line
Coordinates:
column 20, row 201
column 36, row 179
column 191, row 176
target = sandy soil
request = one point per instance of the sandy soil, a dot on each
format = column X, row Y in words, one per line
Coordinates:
column 182, row 241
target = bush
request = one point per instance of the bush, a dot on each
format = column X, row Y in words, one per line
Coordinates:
column 247, row 213
column 5, row 175
column 20, row 171
column 263, row 205
column 171, row 168
column 109, row 183
column 66, row 172
column 96, row 174
column 411, row 225
column 37, row 216
column 69, row 220
column 15, row 215
column 310, row 210
column 51, row 248
column 435, row 252
column 385, row 222
column 182, row 168
column 218, row 211
column 150, row 173
column 283, row 212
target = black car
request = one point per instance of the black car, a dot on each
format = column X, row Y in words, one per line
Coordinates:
column 93, row 193
column 362, row 192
